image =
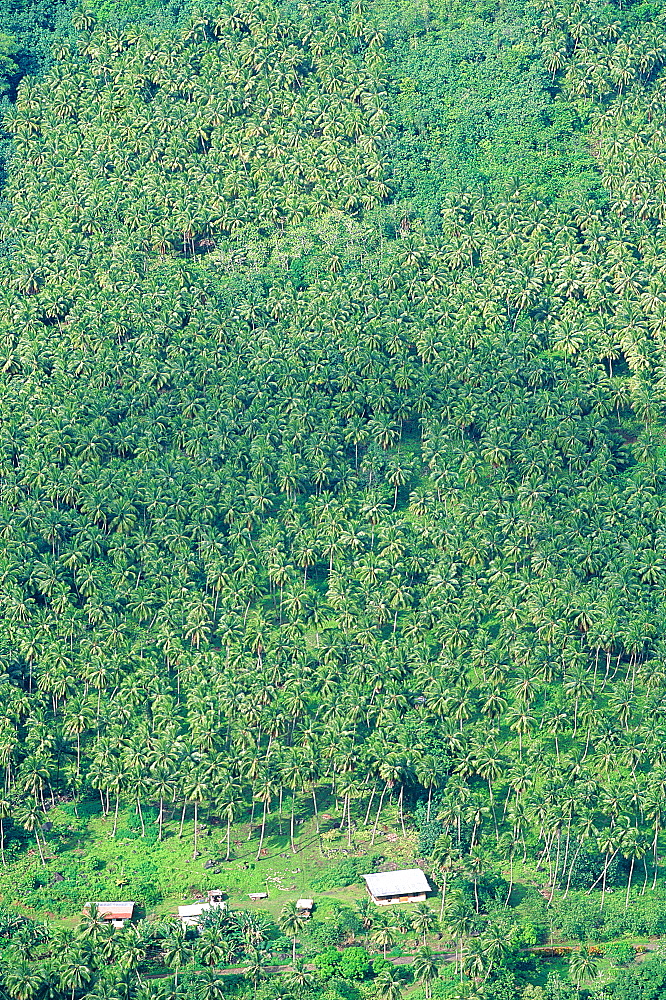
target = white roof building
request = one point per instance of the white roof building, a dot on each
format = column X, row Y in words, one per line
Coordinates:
column 408, row 886
column 114, row 913
column 191, row 915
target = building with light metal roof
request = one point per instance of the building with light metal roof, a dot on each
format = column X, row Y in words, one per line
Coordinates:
column 408, row 886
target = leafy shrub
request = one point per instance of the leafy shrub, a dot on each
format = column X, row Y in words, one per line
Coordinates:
column 588, row 867
column 351, row 963
column 339, row 926
column 429, row 829
column 620, row 952
column 355, row 963
column 346, row 872
column 327, row 963
column 646, row 981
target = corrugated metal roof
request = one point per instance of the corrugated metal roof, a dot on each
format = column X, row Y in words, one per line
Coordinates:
column 304, row 904
column 196, row 909
column 405, row 883
column 113, row 911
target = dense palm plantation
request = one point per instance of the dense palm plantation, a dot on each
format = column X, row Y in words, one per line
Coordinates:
column 302, row 499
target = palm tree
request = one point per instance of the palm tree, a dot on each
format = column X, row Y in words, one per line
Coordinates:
column 211, row 985
column 92, row 926
column 582, row 965
column 425, row 969
column 388, row 985
column 265, row 794
column 423, row 920
column 196, row 790
column 290, row 923
column 23, row 980
column 5, row 812
column 384, row 936
column 445, row 856
column 297, row 976
column 256, row 969
column 176, row 949
column 75, row 973
column 31, row 817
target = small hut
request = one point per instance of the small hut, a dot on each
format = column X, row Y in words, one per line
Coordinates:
column 304, row 907
column 113, row 913
column 190, row 915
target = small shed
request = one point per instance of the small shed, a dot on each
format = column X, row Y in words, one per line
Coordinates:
column 408, row 886
column 190, row 915
column 304, row 907
column 254, row 896
column 113, row 913
column 216, row 895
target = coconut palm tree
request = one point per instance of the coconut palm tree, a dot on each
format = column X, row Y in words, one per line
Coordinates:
column 291, row 923
column 425, row 969
column 582, row 966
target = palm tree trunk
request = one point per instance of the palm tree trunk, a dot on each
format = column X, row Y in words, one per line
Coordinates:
column 228, row 838
column 263, row 829
column 143, row 826
column 508, row 895
column 441, row 909
column 631, row 873
column 115, row 816
column 316, row 812
column 291, row 821
column 39, row 847
column 402, row 814
column 196, row 823
column 367, row 811
column 379, row 809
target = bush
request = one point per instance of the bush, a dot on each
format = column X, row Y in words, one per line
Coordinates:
column 430, row 830
column 355, row 963
column 327, row 963
column 646, row 981
column 342, row 924
column 346, row 872
column 588, row 867
column 620, row 953
column 352, row 963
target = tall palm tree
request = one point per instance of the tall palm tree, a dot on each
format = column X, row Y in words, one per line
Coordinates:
column 425, row 969
column 423, row 920
column 582, row 966
column 388, row 985
column 291, row 923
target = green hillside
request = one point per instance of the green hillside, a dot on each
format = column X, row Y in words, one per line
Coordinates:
column 332, row 497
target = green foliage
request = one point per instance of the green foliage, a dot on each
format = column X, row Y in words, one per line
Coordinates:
column 345, row 872
column 332, row 467
column 350, row 963
column 472, row 107
column 589, row 866
column 429, row 829
column 8, row 66
column 646, row 981
column 620, row 952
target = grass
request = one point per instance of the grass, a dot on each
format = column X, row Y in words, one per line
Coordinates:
column 162, row 875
